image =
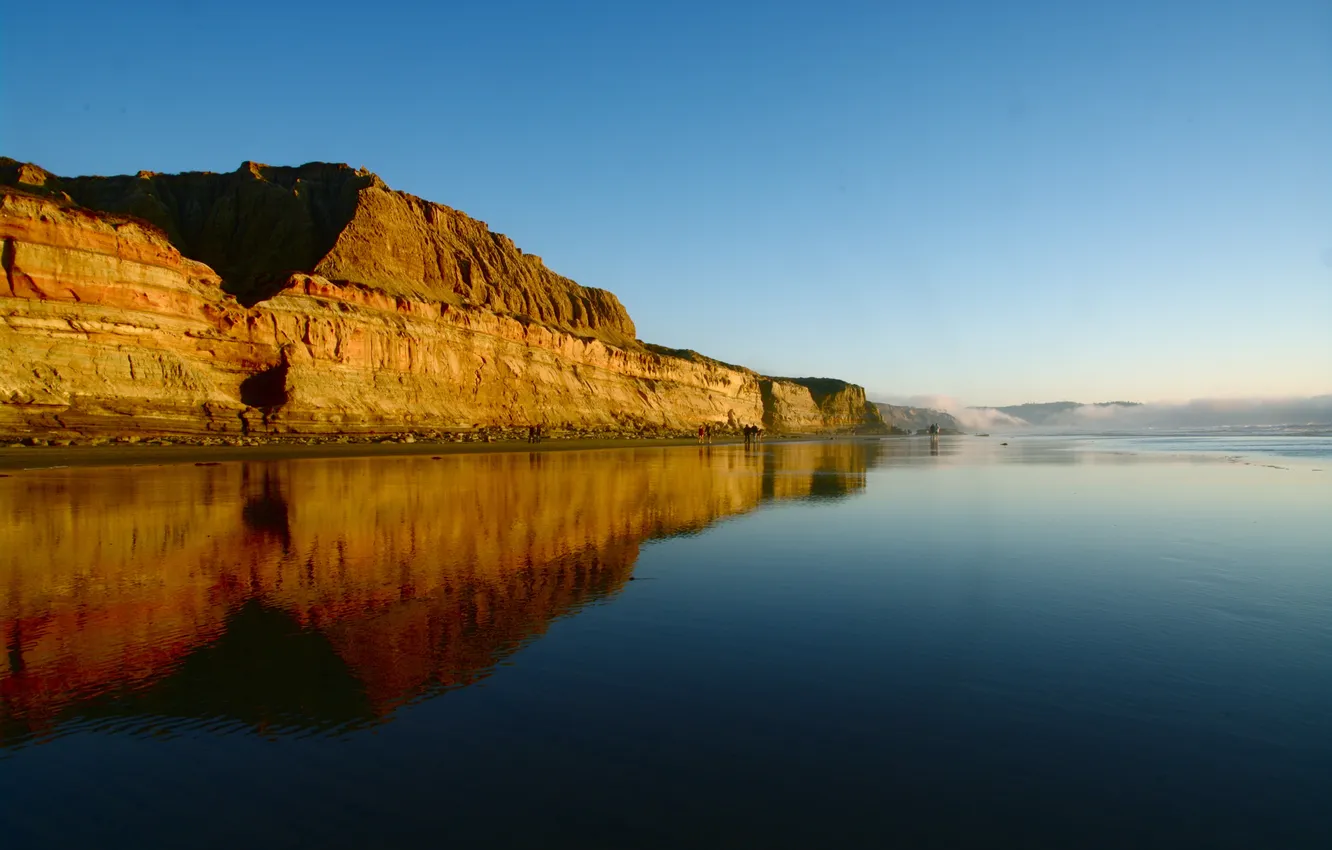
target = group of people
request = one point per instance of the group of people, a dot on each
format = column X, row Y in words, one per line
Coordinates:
column 753, row 434
column 535, row 433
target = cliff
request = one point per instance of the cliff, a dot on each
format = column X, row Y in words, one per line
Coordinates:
column 808, row 404
column 317, row 300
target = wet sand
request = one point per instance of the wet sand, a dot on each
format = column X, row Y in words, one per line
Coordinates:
column 46, row 457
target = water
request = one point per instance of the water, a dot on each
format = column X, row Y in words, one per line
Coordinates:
column 1051, row 643
column 1268, row 444
column 1280, row 443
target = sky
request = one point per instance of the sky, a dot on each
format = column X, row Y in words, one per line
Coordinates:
column 996, row 202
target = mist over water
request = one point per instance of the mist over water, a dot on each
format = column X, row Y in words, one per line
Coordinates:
column 1258, row 415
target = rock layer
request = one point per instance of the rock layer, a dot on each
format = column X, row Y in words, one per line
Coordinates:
column 316, row 300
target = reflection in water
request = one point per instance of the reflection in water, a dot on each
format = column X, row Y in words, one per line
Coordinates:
column 325, row 594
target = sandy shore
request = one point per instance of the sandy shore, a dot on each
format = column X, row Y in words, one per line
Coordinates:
column 46, row 457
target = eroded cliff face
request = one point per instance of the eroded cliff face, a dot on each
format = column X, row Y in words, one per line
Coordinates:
column 316, row 300
column 259, row 224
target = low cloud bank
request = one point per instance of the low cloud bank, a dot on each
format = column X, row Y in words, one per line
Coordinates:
column 1196, row 413
column 974, row 419
column 981, row 419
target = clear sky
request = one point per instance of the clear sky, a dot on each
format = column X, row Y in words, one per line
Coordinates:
column 998, row 201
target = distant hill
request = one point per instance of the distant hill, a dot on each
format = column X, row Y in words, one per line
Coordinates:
column 916, row 418
column 1052, row 412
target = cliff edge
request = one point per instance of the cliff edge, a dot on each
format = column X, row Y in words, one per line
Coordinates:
column 259, row 224
column 315, row 299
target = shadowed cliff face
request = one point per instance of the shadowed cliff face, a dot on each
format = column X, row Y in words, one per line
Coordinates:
column 259, row 224
column 250, row 226
column 323, row 594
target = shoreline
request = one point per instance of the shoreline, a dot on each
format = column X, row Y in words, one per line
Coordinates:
column 36, row 458
column 39, row 458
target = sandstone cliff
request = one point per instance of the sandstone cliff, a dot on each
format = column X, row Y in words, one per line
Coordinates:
column 317, row 300
column 808, row 404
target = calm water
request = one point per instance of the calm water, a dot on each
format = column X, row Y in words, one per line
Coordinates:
column 1045, row 644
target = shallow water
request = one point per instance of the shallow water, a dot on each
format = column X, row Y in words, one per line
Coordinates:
column 1246, row 444
column 1047, row 644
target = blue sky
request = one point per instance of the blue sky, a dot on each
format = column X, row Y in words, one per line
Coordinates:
column 1001, row 202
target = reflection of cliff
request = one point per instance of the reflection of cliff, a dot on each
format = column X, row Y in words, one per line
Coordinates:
column 819, row 471
column 322, row 593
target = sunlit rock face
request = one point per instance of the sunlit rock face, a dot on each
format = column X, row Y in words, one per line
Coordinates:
column 317, row 300
column 327, row 593
column 810, row 404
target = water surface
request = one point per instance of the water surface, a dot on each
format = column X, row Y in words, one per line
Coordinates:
column 1047, row 643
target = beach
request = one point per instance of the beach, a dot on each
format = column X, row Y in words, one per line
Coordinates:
column 145, row 454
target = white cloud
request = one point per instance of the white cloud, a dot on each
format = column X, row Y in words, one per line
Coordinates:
column 987, row 419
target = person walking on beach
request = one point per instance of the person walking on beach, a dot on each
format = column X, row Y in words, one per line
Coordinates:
column 702, row 430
